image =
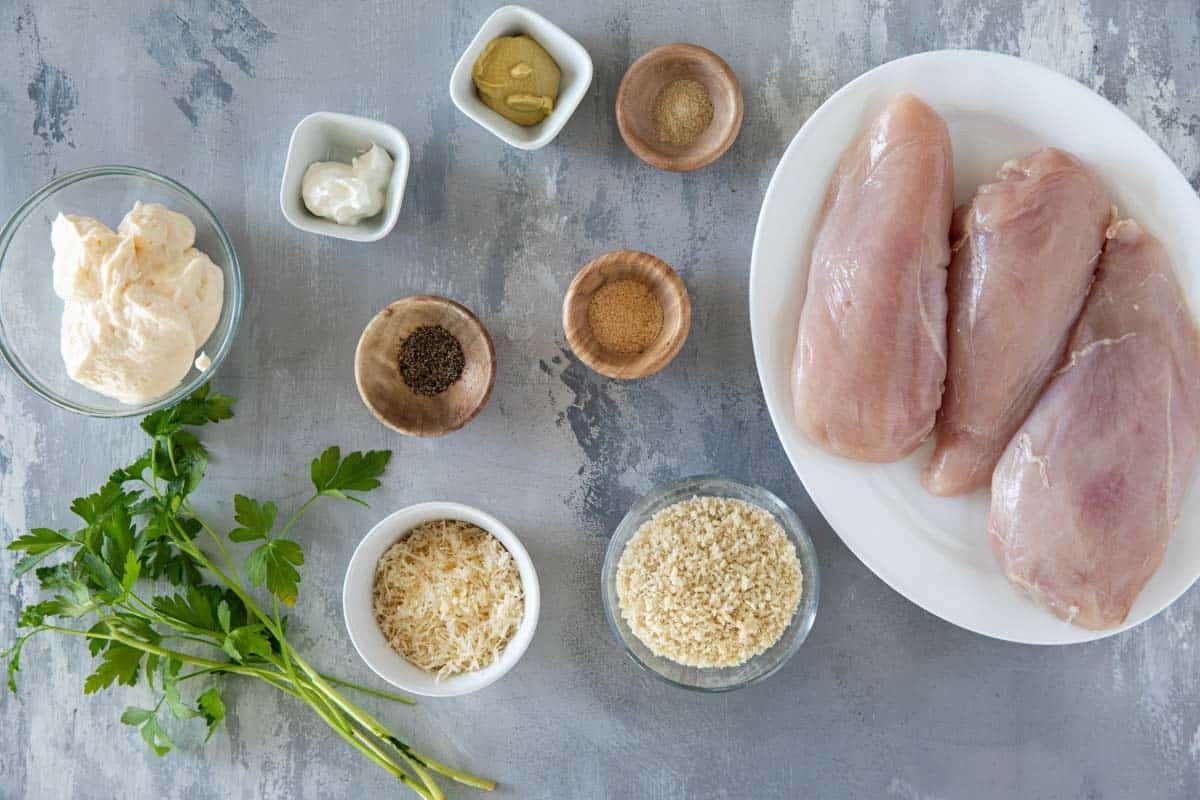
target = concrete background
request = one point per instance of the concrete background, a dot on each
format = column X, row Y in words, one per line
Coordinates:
column 884, row 700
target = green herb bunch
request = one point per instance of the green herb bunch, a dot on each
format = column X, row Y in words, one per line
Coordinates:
column 141, row 534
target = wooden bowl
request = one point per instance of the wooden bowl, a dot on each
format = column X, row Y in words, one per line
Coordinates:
column 377, row 367
column 668, row 289
column 640, row 86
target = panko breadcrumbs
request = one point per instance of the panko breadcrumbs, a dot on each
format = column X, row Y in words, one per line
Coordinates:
column 448, row 597
column 709, row 582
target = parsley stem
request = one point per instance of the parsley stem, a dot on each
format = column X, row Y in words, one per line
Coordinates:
column 338, row 723
column 138, row 644
column 154, row 470
column 375, row 754
column 423, row 774
column 375, row 727
column 373, row 750
column 186, row 638
column 198, row 673
column 187, row 505
column 396, row 698
column 287, row 526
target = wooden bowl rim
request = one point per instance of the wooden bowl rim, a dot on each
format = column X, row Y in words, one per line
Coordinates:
column 640, row 365
column 490, row 365
column 690, row 159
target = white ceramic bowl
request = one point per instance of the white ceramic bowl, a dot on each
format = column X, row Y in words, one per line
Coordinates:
column 571, row 57
column 328, row 136
column 368, row 638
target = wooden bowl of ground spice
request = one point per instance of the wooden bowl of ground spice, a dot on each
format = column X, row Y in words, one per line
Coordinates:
column 627, row 314
column 425, row 366
column 679, row 107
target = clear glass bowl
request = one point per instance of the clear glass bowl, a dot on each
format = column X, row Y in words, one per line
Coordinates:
column 30, row 311
column 721, row 679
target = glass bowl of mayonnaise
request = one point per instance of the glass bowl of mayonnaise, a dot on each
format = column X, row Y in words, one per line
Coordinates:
column 120, row 291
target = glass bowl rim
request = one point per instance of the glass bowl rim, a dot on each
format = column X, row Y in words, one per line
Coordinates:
column 793, row 526
column 22, row 212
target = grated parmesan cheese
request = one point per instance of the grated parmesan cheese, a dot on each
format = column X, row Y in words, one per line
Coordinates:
column 448, row 597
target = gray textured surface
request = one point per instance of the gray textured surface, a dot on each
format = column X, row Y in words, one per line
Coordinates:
column 884, row 700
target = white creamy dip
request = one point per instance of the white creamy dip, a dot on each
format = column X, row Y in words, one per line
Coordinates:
column 140, row 301
column 348, row 193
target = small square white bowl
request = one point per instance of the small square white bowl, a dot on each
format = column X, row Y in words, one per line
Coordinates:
column 328, row 136
column 572, row 59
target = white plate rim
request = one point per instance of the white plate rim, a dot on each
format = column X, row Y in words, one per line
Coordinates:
column 779, row 406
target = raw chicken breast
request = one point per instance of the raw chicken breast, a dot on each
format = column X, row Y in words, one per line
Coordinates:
column 1024, row 249
column 871, row 353
column 1087, row 494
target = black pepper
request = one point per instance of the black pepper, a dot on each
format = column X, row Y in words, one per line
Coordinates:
column 431, row 360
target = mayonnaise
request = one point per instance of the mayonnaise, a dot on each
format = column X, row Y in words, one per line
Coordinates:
column 348, row 193
column 140, row 301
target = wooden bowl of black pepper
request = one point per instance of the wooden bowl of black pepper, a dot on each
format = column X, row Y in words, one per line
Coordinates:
column 679, row 107
column 627, row 314
column 425, row 366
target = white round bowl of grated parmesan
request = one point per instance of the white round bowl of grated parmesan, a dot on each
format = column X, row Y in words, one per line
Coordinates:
column 440, row 599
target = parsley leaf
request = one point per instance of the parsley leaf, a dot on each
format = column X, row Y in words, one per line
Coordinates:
column 199, row 408
column 93, row 508
column 156, row 737
column 210, row 705
column 256, row 519
column 13, row 654
column 180, row 460
column 96, row 646
column 241, row 643
column 37, row 544
column 120, row 665
column 58, row 606
column 136, row 716
column 102, row 576
column 195, row 608
column 271, row 562
column 118, row 538
column 333, row 475
column 133, row 472
column 163, row 560
column 133, row 568
column 174, row 701
column 61, row 576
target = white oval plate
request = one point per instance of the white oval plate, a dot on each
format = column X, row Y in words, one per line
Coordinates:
column 934, row 550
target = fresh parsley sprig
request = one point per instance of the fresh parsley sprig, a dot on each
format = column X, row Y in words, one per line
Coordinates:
column 138, row 533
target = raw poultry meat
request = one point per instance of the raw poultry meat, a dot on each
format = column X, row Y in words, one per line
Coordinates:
column 1024, row 249
column 1087, row 493
column 871, row 353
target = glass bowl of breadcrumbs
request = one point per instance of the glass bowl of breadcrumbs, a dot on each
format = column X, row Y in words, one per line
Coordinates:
column 710, row 584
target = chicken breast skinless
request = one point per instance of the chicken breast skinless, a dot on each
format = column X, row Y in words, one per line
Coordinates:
column 1088, row 492
column 1025, row 249
column 871, row 351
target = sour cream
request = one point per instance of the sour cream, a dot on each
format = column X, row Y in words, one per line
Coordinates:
column 348, row 193
column 139, row 301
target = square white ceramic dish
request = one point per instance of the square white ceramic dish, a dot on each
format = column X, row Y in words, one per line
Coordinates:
column 328, row 136
column 572, row 60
